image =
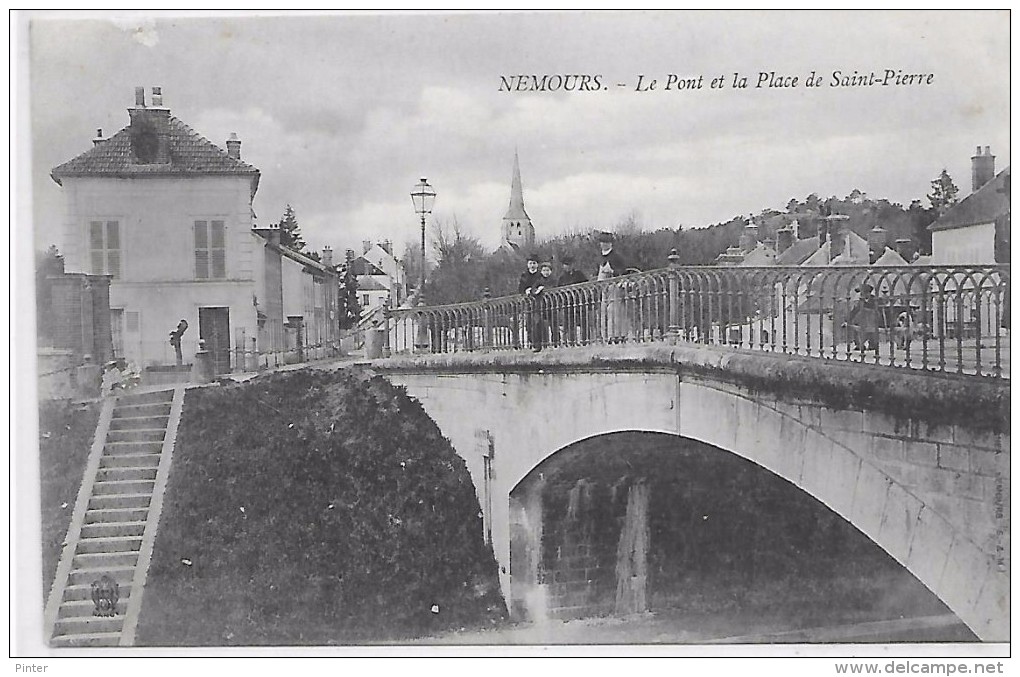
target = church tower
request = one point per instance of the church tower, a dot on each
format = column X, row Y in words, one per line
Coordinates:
column 518, row 233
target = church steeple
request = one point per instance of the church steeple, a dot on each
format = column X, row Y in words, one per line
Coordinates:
column 518, row 232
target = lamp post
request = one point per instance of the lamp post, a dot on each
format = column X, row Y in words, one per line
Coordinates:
column 422, row 195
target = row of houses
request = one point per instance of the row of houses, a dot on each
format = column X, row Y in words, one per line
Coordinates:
column 166, row 216
column 975, row 231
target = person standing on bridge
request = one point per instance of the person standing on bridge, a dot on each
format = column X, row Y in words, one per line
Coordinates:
column 574, row 318
column 613, row 315
column 530, row 280
column 863, row 321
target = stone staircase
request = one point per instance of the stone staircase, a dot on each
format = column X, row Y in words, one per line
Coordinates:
column 113, row 526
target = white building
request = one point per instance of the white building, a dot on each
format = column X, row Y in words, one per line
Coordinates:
column 976, row 230
column 168, row 215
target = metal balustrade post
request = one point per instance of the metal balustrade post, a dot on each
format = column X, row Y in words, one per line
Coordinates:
column 674, row 302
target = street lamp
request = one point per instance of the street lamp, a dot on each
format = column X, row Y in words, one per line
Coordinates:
column 422, row 196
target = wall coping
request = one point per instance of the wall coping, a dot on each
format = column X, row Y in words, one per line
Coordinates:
column 944, row 399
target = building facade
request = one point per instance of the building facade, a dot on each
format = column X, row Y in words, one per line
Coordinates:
column 976, row 230
column 168, row 216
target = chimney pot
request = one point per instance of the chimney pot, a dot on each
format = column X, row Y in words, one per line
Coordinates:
column 982, row 168
column 365, row 246
column 140, row 97
column 234, row 146
column 327, row 257
column 157, row 97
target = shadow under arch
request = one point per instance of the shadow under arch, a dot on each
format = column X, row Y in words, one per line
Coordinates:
column 634, row 520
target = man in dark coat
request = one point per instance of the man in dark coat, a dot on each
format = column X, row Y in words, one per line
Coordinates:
column 579, row 306
column 530, row 280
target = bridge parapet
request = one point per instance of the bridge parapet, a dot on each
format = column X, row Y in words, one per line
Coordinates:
column 932, row 318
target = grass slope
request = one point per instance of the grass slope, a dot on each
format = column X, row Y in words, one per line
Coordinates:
column 315, row 508
column 65, row 438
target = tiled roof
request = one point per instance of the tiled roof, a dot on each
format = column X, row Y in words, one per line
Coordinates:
column 985, row 205
column 369, row 283
column 189, row 154
column 798, row 252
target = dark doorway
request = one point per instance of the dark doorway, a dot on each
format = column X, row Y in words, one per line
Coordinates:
column 214, row 329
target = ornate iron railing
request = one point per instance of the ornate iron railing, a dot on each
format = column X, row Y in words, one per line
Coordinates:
column 943, row 319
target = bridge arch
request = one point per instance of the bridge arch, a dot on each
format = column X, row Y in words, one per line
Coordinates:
column 837, row 456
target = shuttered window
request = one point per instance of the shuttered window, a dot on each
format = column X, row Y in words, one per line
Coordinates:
column 104, row 247
column 210, row 250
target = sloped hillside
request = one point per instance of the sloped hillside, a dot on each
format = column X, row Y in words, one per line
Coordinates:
column 315, row 508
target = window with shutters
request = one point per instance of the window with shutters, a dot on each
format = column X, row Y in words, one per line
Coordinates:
column 210, row 251
column 104, row 247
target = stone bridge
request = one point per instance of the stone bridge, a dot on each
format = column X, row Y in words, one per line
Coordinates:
column 918, row 462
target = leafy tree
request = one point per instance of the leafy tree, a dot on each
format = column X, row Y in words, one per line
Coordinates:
column 943, row 193
column 47, row 263
column 350, row 308
column 460, row 268
column 290, row 232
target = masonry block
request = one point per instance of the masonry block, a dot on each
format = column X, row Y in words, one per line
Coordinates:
column 817, row 460
column 921, row 453
column 887, row 449
column 840, row 479
column 929, row 547
column 932, row 432
column 974, row 438
column 879, row 423
column 953, row 457
column 993, row 608
column 989, row 463
column 790, row 462
column 967, row 569
column 852, row 421
column 769, row 450
column 809, row 414
column 899, row 521
column 869, row 500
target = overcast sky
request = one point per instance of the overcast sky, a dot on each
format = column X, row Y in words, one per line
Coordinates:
column 343, row 114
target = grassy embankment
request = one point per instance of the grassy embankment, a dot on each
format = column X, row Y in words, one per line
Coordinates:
column 314, row 508
column 65, row 437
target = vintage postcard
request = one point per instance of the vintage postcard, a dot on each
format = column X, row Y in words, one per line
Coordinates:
column 511, row 333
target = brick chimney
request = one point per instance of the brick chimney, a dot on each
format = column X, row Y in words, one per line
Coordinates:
column 749, row 237
column 982, row 168
column 365, row 246
column 784, row 239
column 99, row 138
column 149, row 130
column 388, row 246
column 234, row 146
column 274, row 235
column 349, row 256
column 876, row 240
column 327, row 257
column 905, row 248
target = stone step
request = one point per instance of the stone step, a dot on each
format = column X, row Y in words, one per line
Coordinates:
column 84, row 592
column 150, row 409
column 136, row 435
column 122, row 473
column 107, row 560
column 80, row 625
column 134, row 399
column 86, row 575
column 113, row 487
column 120, row 501
column 131, row 455
column 85, row 607
column 113, row 529
column 109, row 544
column 135, row 422
column 112, row 516
column 87, row 639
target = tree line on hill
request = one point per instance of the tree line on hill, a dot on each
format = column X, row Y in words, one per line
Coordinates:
column 464, row 269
